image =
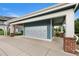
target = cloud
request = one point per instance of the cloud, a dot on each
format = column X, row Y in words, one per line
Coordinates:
column 5, row 9
column 9, row 12
column 12, row 14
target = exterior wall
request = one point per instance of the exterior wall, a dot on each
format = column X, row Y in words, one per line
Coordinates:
column 40, row 29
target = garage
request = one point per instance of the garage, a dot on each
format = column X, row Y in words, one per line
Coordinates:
column 38, row 29
column 39, row 25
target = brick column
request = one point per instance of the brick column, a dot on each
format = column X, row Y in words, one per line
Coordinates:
column 69, row 41
column 69, row 45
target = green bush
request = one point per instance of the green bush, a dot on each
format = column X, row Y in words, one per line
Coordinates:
column 57, row 34
column 77, row 26
column 78, row 35
column 78, row 41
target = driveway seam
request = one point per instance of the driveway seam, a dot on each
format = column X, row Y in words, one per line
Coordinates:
column 47, row 52
column 3, row 51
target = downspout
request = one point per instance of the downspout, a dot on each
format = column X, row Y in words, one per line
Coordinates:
column 76, row 7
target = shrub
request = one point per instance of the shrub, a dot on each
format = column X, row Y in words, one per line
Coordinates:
column 78, row 41
column 17, row 33
column 1, row 32
column 77, row 26
column 78, row 35
column 57, row 34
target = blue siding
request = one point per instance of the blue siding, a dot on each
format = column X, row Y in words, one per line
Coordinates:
column 48, row 31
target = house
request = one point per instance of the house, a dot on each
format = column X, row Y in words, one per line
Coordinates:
column 40, row 24
column 3, row 19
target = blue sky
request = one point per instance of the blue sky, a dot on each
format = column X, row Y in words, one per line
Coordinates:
column 19, row 9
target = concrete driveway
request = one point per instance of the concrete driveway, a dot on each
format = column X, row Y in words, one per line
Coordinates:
column 20, row 46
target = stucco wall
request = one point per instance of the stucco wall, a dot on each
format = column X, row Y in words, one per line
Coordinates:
column 40, row 29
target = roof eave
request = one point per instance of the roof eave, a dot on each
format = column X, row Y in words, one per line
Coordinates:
column 43, row 11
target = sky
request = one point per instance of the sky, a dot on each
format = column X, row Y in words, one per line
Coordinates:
column 20, row 9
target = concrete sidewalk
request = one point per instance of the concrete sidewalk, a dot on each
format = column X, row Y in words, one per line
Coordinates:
column 20, row 46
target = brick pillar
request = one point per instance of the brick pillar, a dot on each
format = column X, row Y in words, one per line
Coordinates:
column 69, row 45
column 69, row 41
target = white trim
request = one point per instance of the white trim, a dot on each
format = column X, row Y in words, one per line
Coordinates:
column 53, row 15
column 37, row 38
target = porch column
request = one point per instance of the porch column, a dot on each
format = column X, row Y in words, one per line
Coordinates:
column 5, row 31
column 11, row 30
column 69, row 41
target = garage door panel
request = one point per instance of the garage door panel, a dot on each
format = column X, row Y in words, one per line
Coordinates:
column 37, row 29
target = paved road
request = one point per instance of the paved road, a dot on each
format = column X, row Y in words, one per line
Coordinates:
column 20, row 46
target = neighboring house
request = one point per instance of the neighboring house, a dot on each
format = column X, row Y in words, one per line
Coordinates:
column 40, row 24
column 3, row 19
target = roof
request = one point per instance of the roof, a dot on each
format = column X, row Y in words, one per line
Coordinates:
column 5, row 18
column 45, row 10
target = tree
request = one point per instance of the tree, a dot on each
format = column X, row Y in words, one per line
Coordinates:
column 77, row 26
